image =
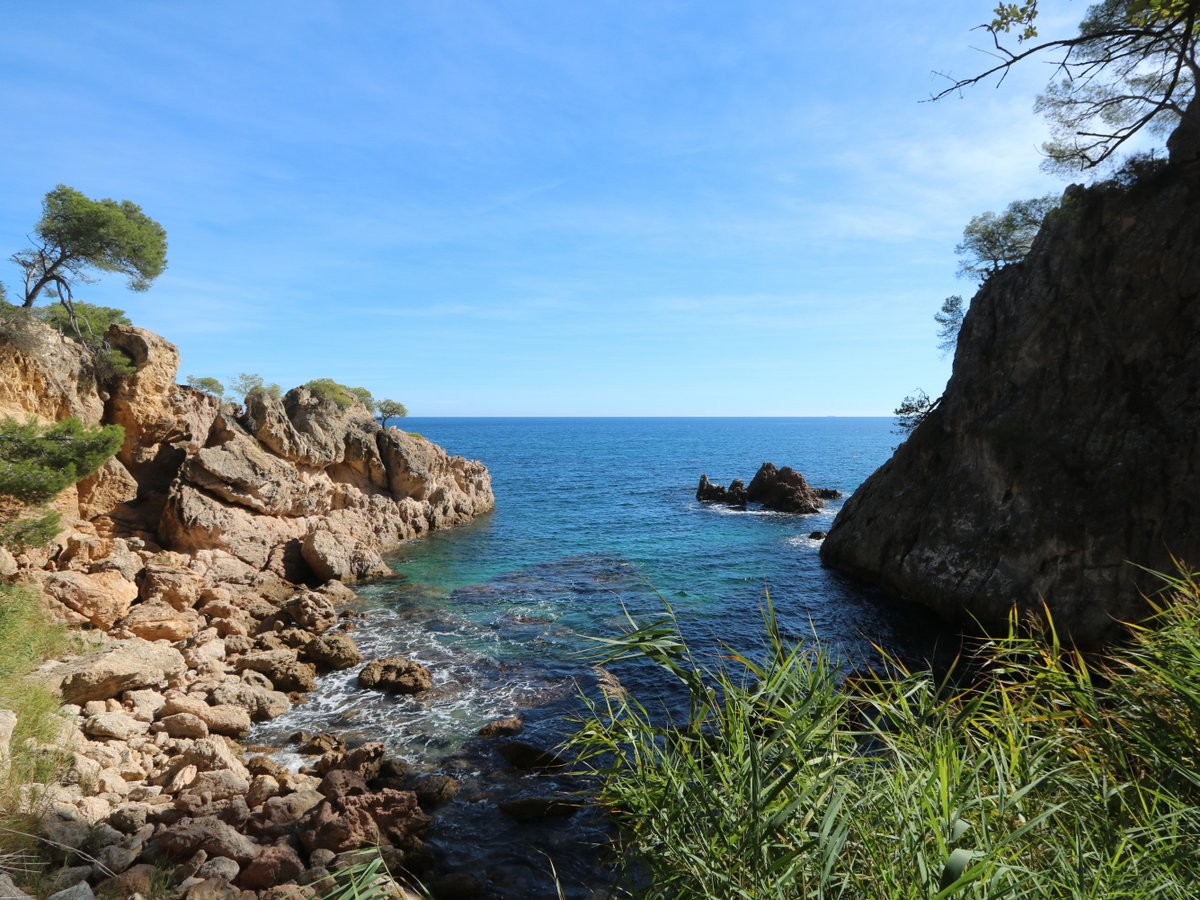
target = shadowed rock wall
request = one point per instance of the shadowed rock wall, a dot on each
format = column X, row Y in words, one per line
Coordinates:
column 1067, row 443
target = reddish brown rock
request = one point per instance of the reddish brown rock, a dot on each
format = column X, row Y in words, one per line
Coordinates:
column 396, row 674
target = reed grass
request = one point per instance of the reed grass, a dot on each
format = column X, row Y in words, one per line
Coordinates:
column 1030, row 770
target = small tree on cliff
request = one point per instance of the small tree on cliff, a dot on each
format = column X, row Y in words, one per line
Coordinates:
column 36, row 463
column 1133, row 66
column 77, row 235
column 391, row 409
column 991, row 242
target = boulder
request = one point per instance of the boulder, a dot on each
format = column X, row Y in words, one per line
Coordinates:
column 348, row 822
column 282, row 667
column 116, row 725
column 222, row 719
column 503, row 727
column 709, row 492
column 279, row 864
column 783, row 490
column 183, row 725
column 100, row 598
column 159, row 621
column 340, row 556
column 261, row 703
column 333, row 651
column 396, row 674
column 120, row 666
column 312, row 611
column 175, row 586
column 216, row 838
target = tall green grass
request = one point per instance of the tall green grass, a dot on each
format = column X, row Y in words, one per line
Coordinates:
column 27, row 637
column 1030, row 771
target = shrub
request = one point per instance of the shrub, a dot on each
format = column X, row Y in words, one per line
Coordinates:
column 1032, row 772
column 93, row 320
column 36, row 463
column 206, row 384
column 341, row 395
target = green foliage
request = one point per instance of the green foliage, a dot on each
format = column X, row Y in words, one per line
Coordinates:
column 28, row 636
column 1033, row 772
column 37, row 530
column 391, row 409
column 912, row 411
column 77, row 235
column 1132, row 66
column 92, row 321
column 112, row 362
column 364, row 876
column 207, row 384
column 248, row 384
column 949, row 319
column 341, row 395
column 364, row 397
column 37, row 462
column 992, row 241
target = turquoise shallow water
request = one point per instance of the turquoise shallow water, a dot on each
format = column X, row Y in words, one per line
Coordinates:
column 595, row 518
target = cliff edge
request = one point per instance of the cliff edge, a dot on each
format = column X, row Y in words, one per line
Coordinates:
column 297, row 487
column 1066, row 447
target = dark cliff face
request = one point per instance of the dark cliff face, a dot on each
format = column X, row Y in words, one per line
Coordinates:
column 1067, row 443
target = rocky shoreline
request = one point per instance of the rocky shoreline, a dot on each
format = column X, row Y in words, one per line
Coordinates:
column 205, row 563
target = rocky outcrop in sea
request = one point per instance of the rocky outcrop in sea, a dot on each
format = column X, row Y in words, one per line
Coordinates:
column 208, row 558
column 1063, row 454
column 779, row 489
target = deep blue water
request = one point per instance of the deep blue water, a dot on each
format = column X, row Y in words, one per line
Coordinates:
column 595, row 519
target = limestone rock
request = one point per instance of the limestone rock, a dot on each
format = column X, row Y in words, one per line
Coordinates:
column 260, row 703
column 313, row 611
column 118, row 725
column 230, row 720
column 45, row 375
column 396, row 674
column 214, row 837
column 120, row 666
column 183, row 725
column 174, row 585
column 333, row 651
column 1061, row 450
column 339, row 556
column 8, row 723
column 159, row 621
column 108, row 489
column 282, row 667
column 349, row 821
column 99, row 598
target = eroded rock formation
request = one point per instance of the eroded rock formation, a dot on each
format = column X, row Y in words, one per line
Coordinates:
column 208, row 555
column 296, row 486
column 782, row 490
column 1065, row 448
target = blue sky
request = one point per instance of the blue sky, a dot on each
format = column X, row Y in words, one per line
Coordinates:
column 532, row 208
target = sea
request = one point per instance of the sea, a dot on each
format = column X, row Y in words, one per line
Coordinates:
column 596, row 530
